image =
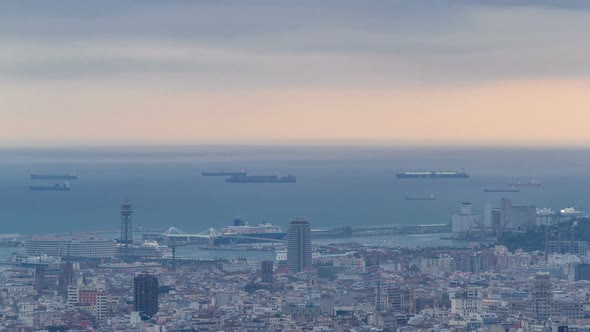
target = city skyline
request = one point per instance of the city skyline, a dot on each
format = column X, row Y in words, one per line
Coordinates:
column 403, row 73
column 295, row 165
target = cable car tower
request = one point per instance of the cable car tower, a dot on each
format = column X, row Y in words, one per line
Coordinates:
column 126, row 237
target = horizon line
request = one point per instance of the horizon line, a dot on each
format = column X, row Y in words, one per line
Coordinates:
column 299, row 143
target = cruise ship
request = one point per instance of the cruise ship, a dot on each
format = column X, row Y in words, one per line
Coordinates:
column 223, row 173
column 458, row 174
column 240, row 232
column 261, row 179
column 70, row 176
column 55, row 187
column 148, row 249
column 571, row 212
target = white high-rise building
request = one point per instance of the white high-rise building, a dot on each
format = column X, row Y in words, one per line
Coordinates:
column 73, row 295
column 101, row 307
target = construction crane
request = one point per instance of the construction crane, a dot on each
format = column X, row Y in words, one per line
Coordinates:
column 502, row 227
column 573, row 237
column 481, row 229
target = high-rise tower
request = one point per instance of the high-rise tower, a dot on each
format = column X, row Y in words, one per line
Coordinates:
column 126, row 226
column 145, row 294
column 298, row 245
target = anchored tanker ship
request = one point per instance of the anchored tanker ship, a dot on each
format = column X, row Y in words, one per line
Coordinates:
column 70, row 176
column 222, row 173
column 460, row 174
column 56, row 187
column 261, row 179
column 501, row 190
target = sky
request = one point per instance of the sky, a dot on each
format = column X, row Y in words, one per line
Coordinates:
column 465, row 72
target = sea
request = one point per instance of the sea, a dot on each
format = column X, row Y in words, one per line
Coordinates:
column 336, row 185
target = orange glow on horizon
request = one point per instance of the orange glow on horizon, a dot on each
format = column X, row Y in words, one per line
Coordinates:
column 534, row 111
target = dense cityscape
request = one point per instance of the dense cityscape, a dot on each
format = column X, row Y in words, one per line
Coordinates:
column 294, row 165
column 487, row 283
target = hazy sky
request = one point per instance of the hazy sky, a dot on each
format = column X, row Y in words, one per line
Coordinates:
column 396, row 72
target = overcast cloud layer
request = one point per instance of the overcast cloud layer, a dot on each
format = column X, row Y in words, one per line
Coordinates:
column 208, row 71
column 272, row 43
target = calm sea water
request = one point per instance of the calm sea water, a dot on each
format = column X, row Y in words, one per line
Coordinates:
column 336, row 185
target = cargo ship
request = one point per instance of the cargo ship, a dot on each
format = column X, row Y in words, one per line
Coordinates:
column 222, row 173
column 531, row 183
column 240, row 232
column 430, row 197
column 501, row 190
column 458, row 174
column 69, row 176
column 55, row 187
column 261, row 179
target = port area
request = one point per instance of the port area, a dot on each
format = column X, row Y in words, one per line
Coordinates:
column 268, row 246
column 375, row 230
column 210, row 237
